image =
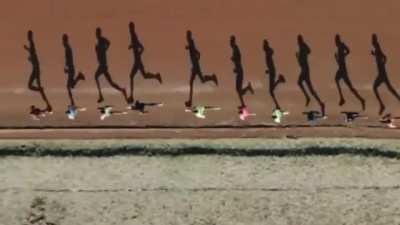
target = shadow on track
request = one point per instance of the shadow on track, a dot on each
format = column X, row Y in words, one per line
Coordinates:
column 342, row 74
column 196, row 68
column 35, row 75
column 382, row 77
column 271, row 72
column 304, row 77
column 138, row 66
column 238, row 70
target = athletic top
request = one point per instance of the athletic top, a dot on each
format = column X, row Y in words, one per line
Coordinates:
column 386, row 120
column 200, row 112
column 36, row 111
column 72, row 112
column 389, row 121
column 313, row 116
column 105, row 112
column 139, row 106
column 278, row 114
column 108, row 110
column 350, row 116
column 244, row 113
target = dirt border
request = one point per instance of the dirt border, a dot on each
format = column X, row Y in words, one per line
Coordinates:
column 200, row 132
column 387, row 148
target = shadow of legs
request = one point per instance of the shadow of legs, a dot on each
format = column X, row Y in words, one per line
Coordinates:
column 378, row 83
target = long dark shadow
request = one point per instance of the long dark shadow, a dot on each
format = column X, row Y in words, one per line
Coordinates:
column 34, row 82
column 238, row 70
column 101, row 52
column 304, row 77
column 194, row 55
column 382, row 77
column 138, row 49
column 69, row 69
column 342, row 73
column 106, row 151
column 271, row 72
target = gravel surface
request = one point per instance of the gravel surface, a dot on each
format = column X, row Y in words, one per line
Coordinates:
column 344, row 187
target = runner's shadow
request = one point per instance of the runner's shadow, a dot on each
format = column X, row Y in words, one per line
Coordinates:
column 304, row 77
column 102, row 46
column 69, row 69
column 137, row 48
column 342, row 73
column 271, row 72
column 34, row 82
column 238, row 70
column 382, row 77
column 196, row 70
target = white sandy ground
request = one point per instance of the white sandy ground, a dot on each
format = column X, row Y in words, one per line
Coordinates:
column 202, row 189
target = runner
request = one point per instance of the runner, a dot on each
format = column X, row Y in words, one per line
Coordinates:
column 37, row 113
column 349, row 117
column 389, row 120
column 200, row 111
column 244, row 113
column 72, row 111
column 314, row 116
column 107, row 111
column 278, row 114
column 140, row 106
